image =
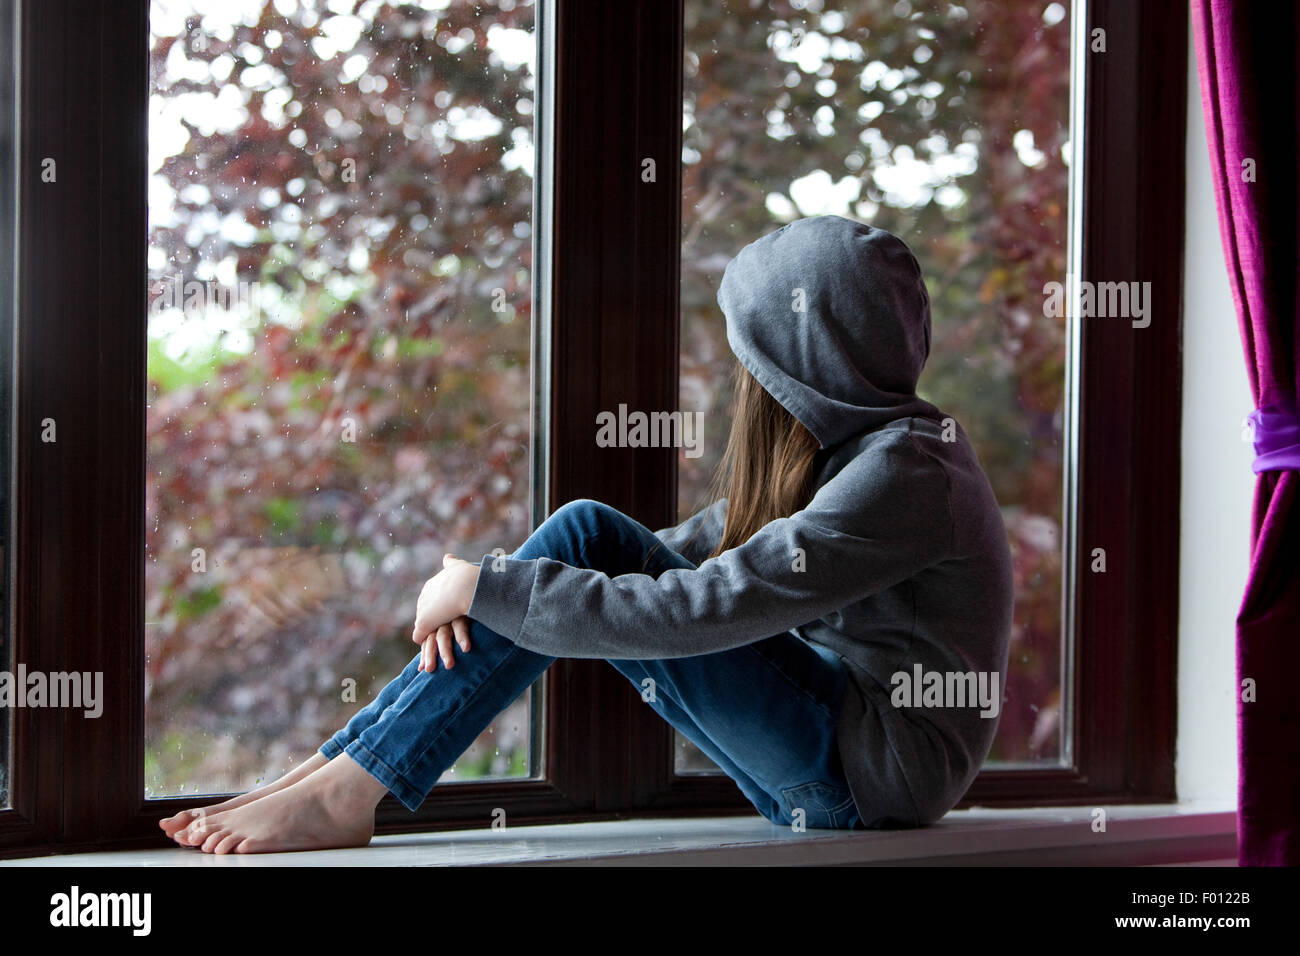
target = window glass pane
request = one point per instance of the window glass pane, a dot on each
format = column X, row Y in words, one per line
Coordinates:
column 948, row 125
column 339, row 327
column 8, row 225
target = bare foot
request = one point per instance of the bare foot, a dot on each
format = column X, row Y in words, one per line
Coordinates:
column 331, row 808
column 177, row 822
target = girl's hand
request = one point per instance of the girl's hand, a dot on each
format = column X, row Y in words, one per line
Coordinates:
column 440, row 611
column 439, row 644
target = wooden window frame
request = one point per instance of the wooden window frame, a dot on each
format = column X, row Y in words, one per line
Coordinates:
column 607, row 333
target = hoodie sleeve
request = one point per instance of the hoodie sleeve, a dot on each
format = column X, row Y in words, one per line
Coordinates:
column 697, row 536
column 883, row 518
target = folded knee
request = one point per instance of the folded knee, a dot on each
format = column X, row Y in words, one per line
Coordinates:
column 583, row 512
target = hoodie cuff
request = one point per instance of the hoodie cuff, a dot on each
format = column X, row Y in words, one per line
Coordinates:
column 501, row 595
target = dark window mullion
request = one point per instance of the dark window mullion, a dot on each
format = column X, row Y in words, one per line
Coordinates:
column 615, row 308
column 80, row 361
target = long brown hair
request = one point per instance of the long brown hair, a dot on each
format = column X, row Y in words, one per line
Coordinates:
column 767, row 469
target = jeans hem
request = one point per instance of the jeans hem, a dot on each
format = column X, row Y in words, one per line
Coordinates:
column 397, row 785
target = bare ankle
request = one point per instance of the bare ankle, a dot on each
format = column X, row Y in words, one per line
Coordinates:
column 349, row 790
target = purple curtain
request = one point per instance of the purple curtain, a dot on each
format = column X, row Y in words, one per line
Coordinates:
column 1250, row 87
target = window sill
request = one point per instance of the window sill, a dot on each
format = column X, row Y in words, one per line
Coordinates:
column 1137, row 835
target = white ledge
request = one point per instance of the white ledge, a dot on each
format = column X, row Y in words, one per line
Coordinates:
column 1135, row 835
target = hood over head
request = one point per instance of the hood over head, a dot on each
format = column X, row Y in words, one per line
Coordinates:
column 832, row 317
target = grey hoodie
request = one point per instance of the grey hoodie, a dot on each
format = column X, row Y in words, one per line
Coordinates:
column 899, row 563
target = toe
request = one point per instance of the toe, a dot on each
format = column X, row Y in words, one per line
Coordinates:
column 197, row 832
column 227, row 844
column 178, row 821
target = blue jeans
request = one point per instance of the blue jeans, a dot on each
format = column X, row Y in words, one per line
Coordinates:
column 764, row 712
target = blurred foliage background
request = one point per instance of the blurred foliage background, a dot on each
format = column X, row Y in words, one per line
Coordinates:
column 367, row 167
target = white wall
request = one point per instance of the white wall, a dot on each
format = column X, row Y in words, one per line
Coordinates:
column 1217, row 485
